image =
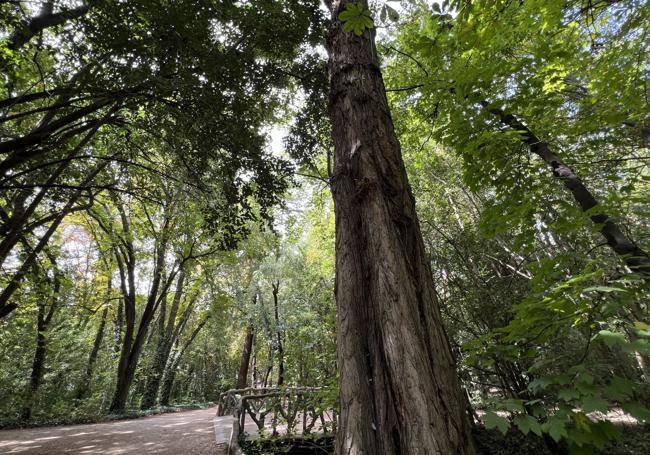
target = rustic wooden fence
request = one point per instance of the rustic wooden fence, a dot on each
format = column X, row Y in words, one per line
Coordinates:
column 275, row 413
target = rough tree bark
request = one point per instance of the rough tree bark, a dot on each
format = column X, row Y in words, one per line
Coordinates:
column 399, row 389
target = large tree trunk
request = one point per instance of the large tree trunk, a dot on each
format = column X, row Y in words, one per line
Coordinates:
column 399, row 389
column 124, row 377
column 125, row 258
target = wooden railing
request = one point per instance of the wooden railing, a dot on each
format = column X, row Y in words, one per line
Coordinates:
column 229, row 400
column 291, row 413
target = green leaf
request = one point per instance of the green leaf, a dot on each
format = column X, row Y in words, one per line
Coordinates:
column 527, row 423
column 620, row 389
column 568, row 394
column 582, row 422
column 637, row 410
column 556, row 428
column 492, row 420
column 539, row 384
column 356, row 19
column 512, row 405
column 639, row 325
column 591, row 404
column 610, row 338
column 607, row 429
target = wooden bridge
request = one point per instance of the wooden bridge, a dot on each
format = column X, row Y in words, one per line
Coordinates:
column 286, row 416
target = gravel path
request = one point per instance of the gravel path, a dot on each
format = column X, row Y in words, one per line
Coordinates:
column 179, row 433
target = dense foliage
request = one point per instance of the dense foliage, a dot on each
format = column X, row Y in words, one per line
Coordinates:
column 149, row 233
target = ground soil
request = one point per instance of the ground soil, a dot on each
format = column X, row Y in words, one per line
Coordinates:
column 186, row 433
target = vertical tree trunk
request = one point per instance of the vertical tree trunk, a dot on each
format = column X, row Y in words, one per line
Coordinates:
column 37, row 364
column 170, row 373
column 84, row 387
column 242, row 376
column 117, row 329
column 167, row 383
column 268, row 381
column 278, row 330
column 163, row 348
column 134, row 340
column 124, row 376
column 43, row 320
column 399, row 389
column 126, row 265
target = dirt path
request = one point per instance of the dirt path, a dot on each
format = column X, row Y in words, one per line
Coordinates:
column 181, row 433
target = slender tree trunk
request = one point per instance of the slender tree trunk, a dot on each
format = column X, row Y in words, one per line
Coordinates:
column 123, row 376
column 84, row 387
column 42, row 324
column 254, row 375
column 635, row 258
column 167, row 383
column 37, row 364
column 245, row 360
column 156, row 371
column 170, row 373
column 399, row 389
column 267, row 382
column 278, row 330
column 163, row 348
column 117, row 328
column 242, row 376
column 134, row 341
column 125, row 259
